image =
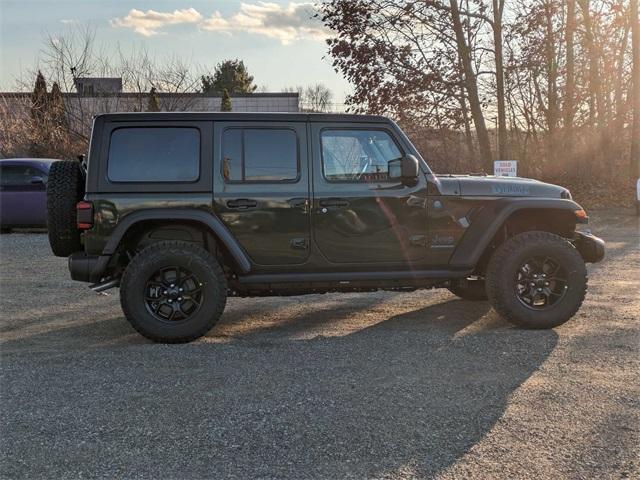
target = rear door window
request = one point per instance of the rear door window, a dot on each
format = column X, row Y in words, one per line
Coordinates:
column 154, row 154
column 260, row 155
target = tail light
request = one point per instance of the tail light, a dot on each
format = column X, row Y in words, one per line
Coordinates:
column 84, row 215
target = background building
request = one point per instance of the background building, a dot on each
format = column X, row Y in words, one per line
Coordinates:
column 95, row 96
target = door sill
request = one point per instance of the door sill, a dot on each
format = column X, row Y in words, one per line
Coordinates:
column 351, row 276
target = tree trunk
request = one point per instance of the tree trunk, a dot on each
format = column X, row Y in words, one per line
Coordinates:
column 569, row 93
column 621, row 106
column 471, row 85
column 595, row 95
column 471, row 151
column 468, row 135
column 498, row 8
column 552, row 110
column 596, row 156
column 635, row 132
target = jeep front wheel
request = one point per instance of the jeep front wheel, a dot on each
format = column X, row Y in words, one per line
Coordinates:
column 536, row 280
column 173, row 292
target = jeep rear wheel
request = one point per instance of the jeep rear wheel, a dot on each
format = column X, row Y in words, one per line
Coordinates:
column 173, row 292
column 65, row 188
column 536, row 280
column 472, row 290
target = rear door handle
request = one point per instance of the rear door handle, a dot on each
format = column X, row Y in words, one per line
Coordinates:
column 242, row 203
column 334, row 202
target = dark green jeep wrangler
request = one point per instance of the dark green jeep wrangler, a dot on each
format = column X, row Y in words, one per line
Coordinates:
column 182, row 210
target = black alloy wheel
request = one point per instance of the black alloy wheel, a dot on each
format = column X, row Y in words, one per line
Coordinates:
column 541, row 282
column 173, row 294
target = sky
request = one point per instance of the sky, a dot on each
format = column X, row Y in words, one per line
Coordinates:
column 281, row 45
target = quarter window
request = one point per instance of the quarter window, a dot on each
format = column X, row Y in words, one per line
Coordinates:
column 259, row 155
column 357, row 155
column 154, row 154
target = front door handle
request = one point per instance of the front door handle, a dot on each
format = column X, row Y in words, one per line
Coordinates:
column 242, row 203
column 334, row 202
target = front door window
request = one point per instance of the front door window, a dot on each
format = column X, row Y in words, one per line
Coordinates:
column 357, row 155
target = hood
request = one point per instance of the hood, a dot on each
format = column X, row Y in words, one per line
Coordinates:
column 490, row 186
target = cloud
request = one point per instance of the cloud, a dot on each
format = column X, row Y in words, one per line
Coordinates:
column 150, row 23
column 284, row 23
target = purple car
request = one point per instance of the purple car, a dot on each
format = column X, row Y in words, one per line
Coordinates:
column 23, row 192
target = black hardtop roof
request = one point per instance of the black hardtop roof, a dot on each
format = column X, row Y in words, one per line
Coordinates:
column 248, row 116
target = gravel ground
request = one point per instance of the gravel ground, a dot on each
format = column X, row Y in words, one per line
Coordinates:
column 378, row 385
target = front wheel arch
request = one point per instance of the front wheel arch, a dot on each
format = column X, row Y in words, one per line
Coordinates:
column 501, row 219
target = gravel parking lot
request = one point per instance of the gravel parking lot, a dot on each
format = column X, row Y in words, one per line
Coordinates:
column 381, row 385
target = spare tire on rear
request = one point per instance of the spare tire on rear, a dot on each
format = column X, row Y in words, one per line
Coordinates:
column 65, row 188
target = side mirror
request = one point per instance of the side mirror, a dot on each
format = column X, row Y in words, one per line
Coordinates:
column 36, row 180
column 404, row 169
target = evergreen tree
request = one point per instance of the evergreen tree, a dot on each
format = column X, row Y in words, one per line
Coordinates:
column 225, row 105
column 231, row 75
column 154, row 101
column 39, row 100
column 39, row 117
column 56, row 108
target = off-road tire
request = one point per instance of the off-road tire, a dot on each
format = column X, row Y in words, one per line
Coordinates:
column 65, row 188
column 472, row 290
column 501, row 279
column 162, row 254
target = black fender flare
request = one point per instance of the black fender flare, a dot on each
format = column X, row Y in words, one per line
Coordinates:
column 207, row 219
column 486, row 224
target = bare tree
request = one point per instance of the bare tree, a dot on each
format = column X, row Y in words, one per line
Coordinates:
column 74, row 55
column 470, row 81
column 596, row 106
column 498, row 12
column 408, row 59
column 317, row 98
column 569, row 92
column 635, row 94
column 140, row 72
column 312, row 98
